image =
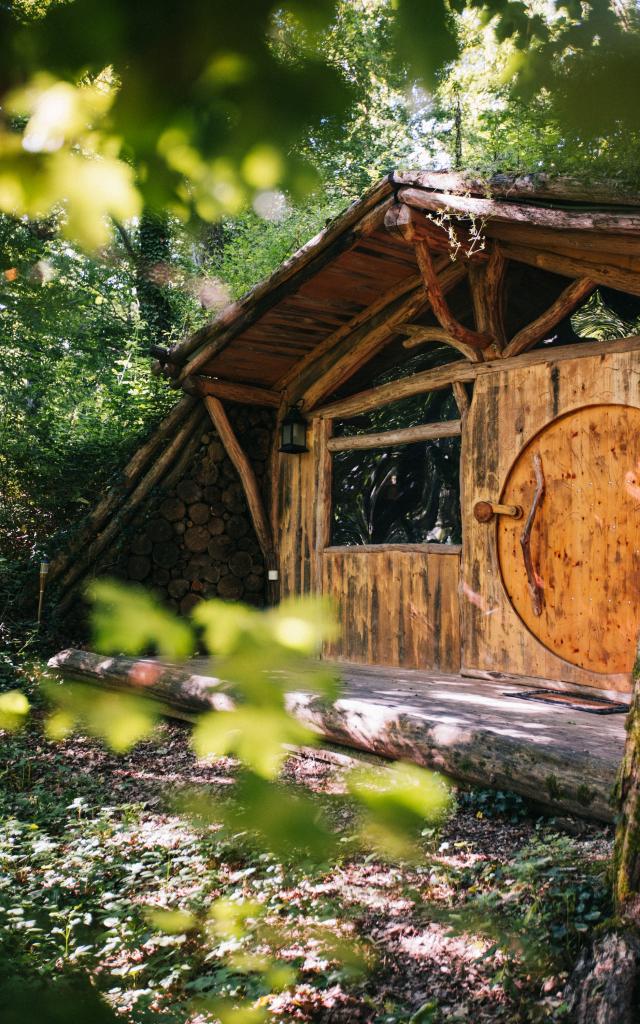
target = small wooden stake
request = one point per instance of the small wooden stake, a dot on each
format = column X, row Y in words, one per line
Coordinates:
column 44, row 570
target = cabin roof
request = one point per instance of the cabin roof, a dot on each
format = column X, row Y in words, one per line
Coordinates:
column 358, row 265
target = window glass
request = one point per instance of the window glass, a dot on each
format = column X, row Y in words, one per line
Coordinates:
column 404, row 495
column 605, row 316
column 433, row 407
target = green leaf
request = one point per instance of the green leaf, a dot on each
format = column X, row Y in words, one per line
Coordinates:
column 128, row 620
column 256, row 735
column 14, row 708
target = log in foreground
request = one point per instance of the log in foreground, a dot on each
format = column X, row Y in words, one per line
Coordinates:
column 567, row 781
column 180, row 692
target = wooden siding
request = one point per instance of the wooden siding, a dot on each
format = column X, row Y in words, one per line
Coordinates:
column 509, row 408
column 396, row 606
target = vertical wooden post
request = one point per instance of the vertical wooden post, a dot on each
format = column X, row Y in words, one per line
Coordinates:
column 322, row 433
column 461, row 396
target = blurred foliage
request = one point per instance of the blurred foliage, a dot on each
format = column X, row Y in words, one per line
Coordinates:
column 76, row 393
column 93, row 121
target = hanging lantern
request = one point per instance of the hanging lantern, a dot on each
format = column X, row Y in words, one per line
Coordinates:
column 293, row 432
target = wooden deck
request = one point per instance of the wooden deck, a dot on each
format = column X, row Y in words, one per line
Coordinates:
column 564, row 759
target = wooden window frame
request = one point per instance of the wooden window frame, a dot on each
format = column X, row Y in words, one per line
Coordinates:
column 327, row 444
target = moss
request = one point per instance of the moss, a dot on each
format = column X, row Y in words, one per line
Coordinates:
column 553, row 788
column 585, row 795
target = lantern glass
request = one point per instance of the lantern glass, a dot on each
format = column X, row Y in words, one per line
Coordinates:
column 293, row 433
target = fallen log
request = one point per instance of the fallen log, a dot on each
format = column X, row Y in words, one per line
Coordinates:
column 181, row 692
column 570, row 781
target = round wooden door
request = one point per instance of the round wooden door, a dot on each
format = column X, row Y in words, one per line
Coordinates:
column 571, row 563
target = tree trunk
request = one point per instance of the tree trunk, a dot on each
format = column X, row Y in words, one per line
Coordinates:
column 152, row 275
column 604, row 988
column 626, row 862
column 604, row 984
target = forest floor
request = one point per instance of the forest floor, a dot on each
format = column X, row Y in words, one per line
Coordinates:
column 484, row 927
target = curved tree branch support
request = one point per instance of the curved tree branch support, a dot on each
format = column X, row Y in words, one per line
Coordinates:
column 605, row 985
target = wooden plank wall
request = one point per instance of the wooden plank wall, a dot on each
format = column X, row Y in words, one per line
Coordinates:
column 397, row 606
column 508, row 409
column 295, row 518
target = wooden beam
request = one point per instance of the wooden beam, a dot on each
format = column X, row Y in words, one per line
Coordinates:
column 416, row 384
column 451, row 238
column 471, row 206
column 358, row 348
column 323, row 468
column 582, row 244
column 288, row 278
column 570, row 266
column 429, row 547
column 462, row 398
column 464, row 372
column 125, row 510
column 472, row 339
column 247, row 476
column 539, row 328
column 421, row 335
column 232, row 391
column 520, row 186
column 486, row 281
column 301, row 373
column 387, row 438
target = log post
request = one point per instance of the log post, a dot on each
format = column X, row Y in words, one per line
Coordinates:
column 128, row 479
column 486, row 280
column 474, row 339
column 626, row 861
column 250, row 486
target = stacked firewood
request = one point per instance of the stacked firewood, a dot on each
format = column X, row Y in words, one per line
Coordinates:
column 176, row 519
column 195, row 538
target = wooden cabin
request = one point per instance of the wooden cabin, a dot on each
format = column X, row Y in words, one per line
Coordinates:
column 466, row 357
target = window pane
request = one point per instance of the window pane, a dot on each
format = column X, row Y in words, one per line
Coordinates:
column 404, row 495
column 433, row 407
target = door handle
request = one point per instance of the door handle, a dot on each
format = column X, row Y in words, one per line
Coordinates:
column 484, row 511
column 525, row 538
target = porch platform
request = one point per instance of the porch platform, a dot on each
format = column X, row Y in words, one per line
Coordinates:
column 565, row 760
